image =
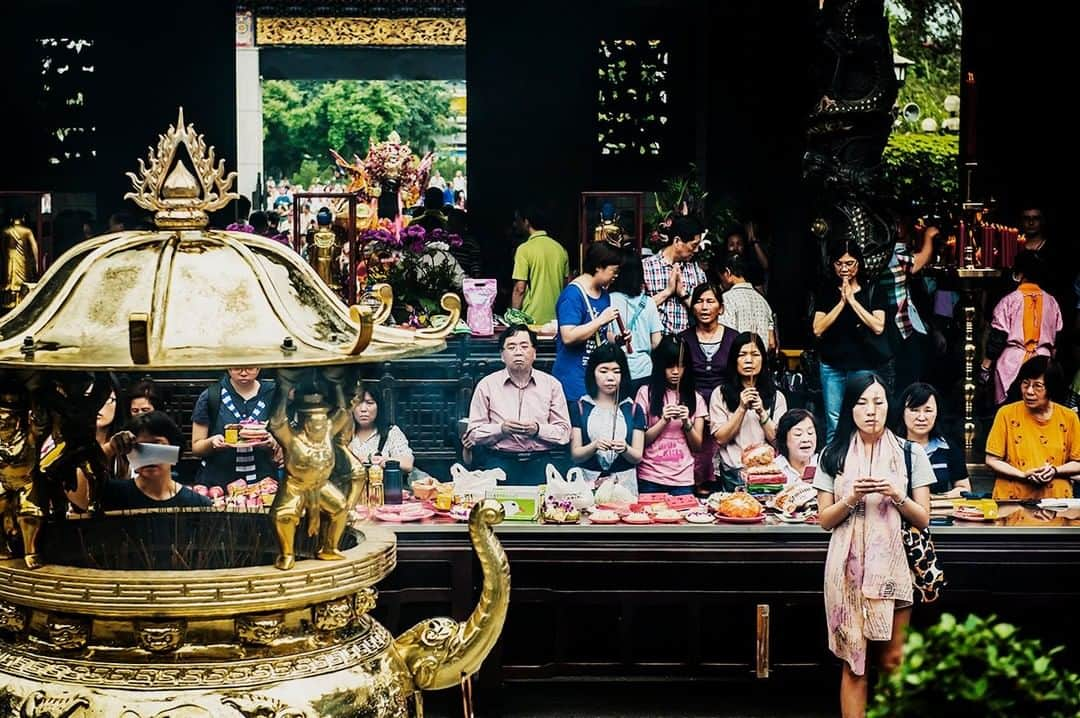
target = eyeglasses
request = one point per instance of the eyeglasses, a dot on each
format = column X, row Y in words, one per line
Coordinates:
column 845, row 263
column 1029, row 384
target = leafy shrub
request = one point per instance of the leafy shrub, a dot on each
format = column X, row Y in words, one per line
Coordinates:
column 976, row 668
column 922, row 171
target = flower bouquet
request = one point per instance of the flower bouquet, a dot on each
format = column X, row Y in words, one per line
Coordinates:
column 416, row 264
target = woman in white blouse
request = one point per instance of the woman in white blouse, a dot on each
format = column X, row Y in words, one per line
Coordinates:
column 374, row 439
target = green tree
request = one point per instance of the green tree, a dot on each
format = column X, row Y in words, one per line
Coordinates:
column 303, row 120
column 928, row 33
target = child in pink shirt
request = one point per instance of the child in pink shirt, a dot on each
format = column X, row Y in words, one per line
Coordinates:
column 675, row 417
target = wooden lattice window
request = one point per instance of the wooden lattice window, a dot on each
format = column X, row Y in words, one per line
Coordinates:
column 67, row 72
column 632, row 105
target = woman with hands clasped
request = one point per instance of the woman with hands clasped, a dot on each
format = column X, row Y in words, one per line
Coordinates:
column 608, row 434
column 745, row 409
column 849, row 324
column 866, row 491
column 675, row 414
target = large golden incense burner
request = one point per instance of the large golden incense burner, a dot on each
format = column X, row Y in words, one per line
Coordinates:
column 277, row 629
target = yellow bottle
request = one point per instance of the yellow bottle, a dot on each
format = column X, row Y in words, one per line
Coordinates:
column 376, row 497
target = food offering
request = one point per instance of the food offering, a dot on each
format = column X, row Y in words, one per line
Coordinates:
column 966, row 512
column 604, row 516
column 699, row 516
column 426, row 488
column 637, row 518
column 667, row 516
column 246, row 433
column 401, row 513
column 560, row 511
column 739, row 508
column 762, row 476
column 797, row 503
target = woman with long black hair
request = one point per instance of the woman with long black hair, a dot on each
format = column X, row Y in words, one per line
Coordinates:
column 866, row 491
column 744, row 410
column 675, row 417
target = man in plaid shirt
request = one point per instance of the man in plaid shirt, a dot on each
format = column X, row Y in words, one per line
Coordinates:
column 671, row 274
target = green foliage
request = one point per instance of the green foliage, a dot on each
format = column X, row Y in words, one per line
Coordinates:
column 420, row 280
column 976, row 668
column 927, row 32
column 449, row 166
column 304, row 119
column 310, row 170
column 686, row 189
column 921, row 170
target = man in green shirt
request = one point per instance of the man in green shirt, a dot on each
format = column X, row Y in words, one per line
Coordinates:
column 541, row 267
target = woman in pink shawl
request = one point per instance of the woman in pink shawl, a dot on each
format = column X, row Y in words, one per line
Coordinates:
column 1025, row 324
column 864, row 493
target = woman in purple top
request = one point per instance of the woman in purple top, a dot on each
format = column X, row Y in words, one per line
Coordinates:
column 708, row 345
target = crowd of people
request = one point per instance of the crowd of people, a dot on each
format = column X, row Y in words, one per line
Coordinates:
column 140, row 414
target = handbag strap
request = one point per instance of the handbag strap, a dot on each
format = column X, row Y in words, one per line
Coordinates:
column 907, row 464
column 637, row 312
column 589, row 307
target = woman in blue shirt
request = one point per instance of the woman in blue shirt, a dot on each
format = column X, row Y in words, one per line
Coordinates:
column 920, row 404
column 584, row 311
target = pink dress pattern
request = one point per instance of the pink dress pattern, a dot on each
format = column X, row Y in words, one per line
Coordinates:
column 866, row 570
column 1009, row 317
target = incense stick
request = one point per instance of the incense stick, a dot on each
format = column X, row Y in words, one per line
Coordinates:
column 678, row 383
column 615, row 412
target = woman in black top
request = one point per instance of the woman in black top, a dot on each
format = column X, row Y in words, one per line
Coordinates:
column 849, row 323
column 708, row 345
column 918, row 423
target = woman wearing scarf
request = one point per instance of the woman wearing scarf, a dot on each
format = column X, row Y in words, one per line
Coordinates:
column 1025, row 324
column 865, row 493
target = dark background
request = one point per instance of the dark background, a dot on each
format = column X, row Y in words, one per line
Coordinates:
column 739, row 89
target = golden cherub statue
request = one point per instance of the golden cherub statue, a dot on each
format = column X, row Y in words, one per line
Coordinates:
column 309, row 463
column 21, row 435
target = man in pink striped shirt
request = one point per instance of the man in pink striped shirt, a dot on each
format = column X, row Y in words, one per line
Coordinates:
column 518, row 420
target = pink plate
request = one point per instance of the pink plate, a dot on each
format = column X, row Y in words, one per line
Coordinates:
column 602, row 522
column 416, row 514
column 741, row 519
column 673, row 520
column 639, row 522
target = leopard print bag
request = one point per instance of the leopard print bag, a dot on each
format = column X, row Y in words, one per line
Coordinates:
column 927, row 577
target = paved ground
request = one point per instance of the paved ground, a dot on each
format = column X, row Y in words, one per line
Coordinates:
column 712, row 700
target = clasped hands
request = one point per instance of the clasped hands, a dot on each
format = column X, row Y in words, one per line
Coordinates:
column 616, row 445
column 848, row 290
column 675, row 412
column 750, row 399
column 1042, row 475
column 520, row 428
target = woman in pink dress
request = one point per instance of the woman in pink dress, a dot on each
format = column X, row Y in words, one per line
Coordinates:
column 865, row 492
column 1025, row 324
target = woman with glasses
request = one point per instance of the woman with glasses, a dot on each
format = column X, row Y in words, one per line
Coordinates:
column 849, row 323
column 1034, row 445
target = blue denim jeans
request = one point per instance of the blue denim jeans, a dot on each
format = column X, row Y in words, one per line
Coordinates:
column 832, row 390
column 648, row 487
